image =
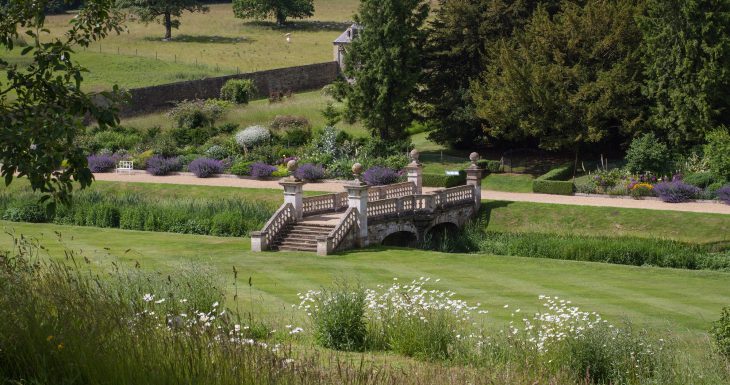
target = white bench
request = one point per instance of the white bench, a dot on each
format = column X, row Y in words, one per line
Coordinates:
column 125, row 165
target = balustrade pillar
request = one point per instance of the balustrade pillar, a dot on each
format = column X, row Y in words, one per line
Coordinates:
column 357, row 197
column 415, row 172
column 293, row 190
column 474, row 178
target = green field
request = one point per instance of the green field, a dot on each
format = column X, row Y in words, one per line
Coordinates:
column 211, row 44
column 680, row 300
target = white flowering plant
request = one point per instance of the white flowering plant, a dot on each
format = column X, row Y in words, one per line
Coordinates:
column 252, row 136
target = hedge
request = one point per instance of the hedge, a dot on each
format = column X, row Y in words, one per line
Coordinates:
column 492, row 166
column 553, row 182
column 443, row 180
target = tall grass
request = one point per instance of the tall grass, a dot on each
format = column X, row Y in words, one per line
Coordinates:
column 136, row 211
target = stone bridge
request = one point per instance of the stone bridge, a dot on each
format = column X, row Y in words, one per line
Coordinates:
column 399, row 214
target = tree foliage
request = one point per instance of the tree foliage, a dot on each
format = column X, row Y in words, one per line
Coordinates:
column 279, row 9
column 567, row 79
column 42, row 105
column 687, row 59
column 461, row 38
column 385, row 63
column 163, row 11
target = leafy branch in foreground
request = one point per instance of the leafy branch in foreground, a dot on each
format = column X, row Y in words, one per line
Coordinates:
column 42, row 106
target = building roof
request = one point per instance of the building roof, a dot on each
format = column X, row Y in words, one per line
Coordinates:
column 346, row 37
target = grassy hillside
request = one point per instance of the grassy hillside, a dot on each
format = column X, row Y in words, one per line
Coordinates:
column 211, row 44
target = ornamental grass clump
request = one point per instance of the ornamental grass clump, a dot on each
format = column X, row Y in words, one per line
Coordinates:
column 101, row 163
column 676, row 191
column 379, row 176
column 310, row 172
column 205, row 167
column 160, row 165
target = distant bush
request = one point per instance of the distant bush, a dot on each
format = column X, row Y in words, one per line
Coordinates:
column 378, row 176
column 647, row 153
column 717, row 153
column 252, row 136
column 205, row 167
column 280, row 171
column 140, row 160
column 159, row 165
column 396, row 162
column 724, row 194
column 115, row 141
column 190, row 114
column 101, row 163
column 25, row 211
column 286, row 122
column 217, row 152
column 443, row 180
column 239, row 91
column 262, row 170
column 492, row 166
column 296, row 136
column 166, row 145
column 241, row 168
column 700, row 179
column 310, row 172
column 721, row 332
column 676, row 191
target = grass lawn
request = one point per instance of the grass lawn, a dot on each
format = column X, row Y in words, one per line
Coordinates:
column 307, row 104
column 508, row 182
column 211, row 44
column 683, row 301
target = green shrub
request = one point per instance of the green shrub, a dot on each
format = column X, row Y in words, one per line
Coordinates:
column 241, row 168
column 443, row 180
column 717, row 152
column 32, row 212
column 395, row 162
column 115, row 141
column 288, row 122
column 701, row 179
column 190, row 114
column 165, row 145
column 338, row 316
column 553, row 182
column 239, row 91
column 281, row 172
column 721, row 332
column 140, row 160
column 492, row 166
column 647, row 153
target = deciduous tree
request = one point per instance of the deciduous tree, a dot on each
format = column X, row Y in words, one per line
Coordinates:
column 41, row 104
column 279, row 9
column 163, row 11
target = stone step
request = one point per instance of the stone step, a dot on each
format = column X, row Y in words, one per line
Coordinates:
column 303, row 237
column 301, row 226
column 296, row 248
column 296, row 242
column 296, row 231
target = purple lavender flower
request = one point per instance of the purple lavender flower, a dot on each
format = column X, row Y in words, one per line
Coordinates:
column 676, row 191
column 262, row 170
column 310, row 171
column 101, row 163
column 205, row 167
column 378, row 176
column 724, row 193
column 159, row 165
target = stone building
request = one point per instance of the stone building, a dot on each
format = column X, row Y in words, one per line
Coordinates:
column 342, row 42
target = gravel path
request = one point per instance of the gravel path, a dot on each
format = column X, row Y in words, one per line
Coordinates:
column 699, row 207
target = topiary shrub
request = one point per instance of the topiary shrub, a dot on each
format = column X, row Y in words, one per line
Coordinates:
column 553, row 182
column 239, row 91
column 647, row 153
column 379, row 176
column 241, row 168
column 676, row 191
column 717, row 153
column 252, row 136
column 101, row 163
column 205, row 167
column 160, row 165
column 443, row 180
column 493, row 166
column 724, row 194
column 262, row 170
column 310, row 172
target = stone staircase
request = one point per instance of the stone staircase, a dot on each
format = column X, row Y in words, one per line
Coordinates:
column 301, row 236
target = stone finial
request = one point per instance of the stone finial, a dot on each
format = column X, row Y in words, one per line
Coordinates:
column 474, row 157
column 414, row 156
column 357, row 170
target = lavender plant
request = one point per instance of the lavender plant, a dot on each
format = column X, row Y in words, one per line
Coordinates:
column 724, row 194
column 262, row 170
column 378, row 176
column 676, row 191
column 205, row 167
column 101, row 163
column 310, row 172
column 159, row 165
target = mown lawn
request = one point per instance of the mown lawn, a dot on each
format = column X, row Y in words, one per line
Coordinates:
column 210, row 44
column 680, row 300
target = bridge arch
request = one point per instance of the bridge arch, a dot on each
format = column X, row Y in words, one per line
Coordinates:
column 401, row 239
column 439, row 231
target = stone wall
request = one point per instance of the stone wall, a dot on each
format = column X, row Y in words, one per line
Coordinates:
column 295, row 79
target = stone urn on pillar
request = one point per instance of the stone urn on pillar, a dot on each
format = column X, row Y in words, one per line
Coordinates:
column 474, row 178
column 415, row 172
column 357, row 197
column 293, row 189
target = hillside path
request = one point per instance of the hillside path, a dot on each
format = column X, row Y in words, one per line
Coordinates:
column 331, row 186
